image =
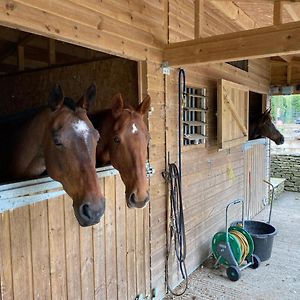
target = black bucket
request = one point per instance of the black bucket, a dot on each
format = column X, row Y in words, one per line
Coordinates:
column 262, row 235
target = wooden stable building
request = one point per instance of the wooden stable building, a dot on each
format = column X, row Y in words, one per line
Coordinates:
column 123, row 46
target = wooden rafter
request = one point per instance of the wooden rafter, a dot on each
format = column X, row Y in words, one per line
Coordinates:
column 11, row 49
column 277, row 12
column 230, row 10
column 293, row 9
column 256, row 43
column 199, row 19
column 289, row 74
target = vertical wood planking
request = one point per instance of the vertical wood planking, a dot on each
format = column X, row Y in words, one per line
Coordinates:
column 86, row 263
column 72, row 251
column 40, row 250
column 140, row 250
column 6, row 282
column 21, row 253
column 57, row 248
column 110, row 238
column 99, row 256
column 121, row 238
column 131, row 259
column 146, row 239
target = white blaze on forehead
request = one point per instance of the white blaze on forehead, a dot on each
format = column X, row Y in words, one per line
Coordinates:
column 82, row 129
column 134, row 128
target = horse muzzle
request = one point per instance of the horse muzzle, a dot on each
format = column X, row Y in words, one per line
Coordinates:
column 88, row 215
column 280, row 140
column 133, row 202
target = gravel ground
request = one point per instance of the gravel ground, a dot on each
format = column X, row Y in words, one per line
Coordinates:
column 275, row 279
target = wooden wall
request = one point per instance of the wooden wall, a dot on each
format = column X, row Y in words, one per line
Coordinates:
column 25, row 90
column 45, row 254
column 211, row 178
column 137, row 30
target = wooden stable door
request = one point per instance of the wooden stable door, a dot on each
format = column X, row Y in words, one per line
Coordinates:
column 45, row 254
column 256, row 162
column 233, row 107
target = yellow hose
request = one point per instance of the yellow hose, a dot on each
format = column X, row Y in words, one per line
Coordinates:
column 244, row 244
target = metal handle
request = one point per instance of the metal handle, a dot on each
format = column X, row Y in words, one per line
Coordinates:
column 237, row 201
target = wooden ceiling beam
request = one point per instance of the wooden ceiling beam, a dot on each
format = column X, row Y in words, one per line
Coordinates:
column 255, row 43
column 230, row 10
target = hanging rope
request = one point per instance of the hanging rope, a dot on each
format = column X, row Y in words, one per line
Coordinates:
column 243, row 243
column 177, row 229
column 181, row 95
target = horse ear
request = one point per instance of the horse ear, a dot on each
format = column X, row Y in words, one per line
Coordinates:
column 267, row 111
column 117, row 105
column 56, row 98
column 88, row 98
column 144, row 107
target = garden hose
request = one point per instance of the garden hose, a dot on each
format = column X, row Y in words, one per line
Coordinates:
column 243, row 243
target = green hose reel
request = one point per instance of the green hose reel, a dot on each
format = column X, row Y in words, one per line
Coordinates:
column 234, row 248
column 234, row 244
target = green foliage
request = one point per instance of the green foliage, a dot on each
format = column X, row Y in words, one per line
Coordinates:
column 285, row 108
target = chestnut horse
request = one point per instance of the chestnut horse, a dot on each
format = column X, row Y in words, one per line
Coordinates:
column 263, row 126
column 124, row 139
column 61, row 140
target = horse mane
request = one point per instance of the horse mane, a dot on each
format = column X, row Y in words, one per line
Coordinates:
column 254, row 117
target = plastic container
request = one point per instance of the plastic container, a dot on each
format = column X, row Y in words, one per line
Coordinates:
column 262, row 235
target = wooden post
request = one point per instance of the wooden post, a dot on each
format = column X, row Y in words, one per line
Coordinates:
column 199, row 19
column 21, row 61
column 277, row 13
column 52, row 52
column 166, row 21
column 289, row 73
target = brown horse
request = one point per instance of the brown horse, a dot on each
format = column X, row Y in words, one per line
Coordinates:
column 264, row 127
column 123, row 143
column 61, row 140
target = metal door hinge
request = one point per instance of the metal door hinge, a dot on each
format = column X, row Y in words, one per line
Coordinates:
column 149, row 169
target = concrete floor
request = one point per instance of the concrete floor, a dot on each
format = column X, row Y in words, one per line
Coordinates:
column 275, row 279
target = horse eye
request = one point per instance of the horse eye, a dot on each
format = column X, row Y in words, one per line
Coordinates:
column 117, row 140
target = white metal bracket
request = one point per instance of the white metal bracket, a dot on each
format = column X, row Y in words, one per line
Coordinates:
column 165, row 68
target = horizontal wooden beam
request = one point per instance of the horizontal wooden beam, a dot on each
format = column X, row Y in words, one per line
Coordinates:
column 269, row 41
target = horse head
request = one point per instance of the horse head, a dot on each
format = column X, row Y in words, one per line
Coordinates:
column 70, row 153
column 128, row 149
column 266, row 128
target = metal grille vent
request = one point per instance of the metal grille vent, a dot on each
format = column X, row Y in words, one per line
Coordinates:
column 194, row 116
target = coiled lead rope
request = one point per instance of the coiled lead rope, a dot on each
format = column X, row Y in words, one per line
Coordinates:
column 177, row 228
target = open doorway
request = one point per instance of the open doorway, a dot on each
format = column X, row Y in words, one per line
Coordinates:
column 30, row 66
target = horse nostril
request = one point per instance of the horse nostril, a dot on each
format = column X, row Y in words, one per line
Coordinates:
column 86, row 212
column 132, row 198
